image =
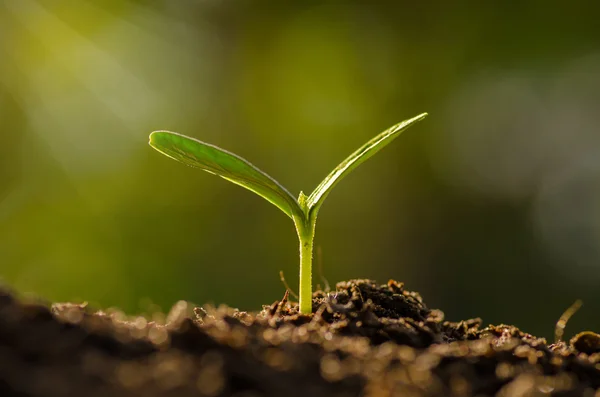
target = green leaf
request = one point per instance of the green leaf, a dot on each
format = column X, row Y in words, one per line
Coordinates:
column 316, row 198
column 227, row 165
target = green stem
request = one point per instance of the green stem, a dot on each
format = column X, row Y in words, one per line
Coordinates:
column 306, row 233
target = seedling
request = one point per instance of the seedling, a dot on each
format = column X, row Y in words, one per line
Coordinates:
column 303, row 211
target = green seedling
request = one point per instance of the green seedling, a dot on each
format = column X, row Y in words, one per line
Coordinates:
column 303, row 211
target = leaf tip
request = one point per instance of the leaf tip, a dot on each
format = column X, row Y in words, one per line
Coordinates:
column 151, row 138
column 156, row 137
column 421, row 116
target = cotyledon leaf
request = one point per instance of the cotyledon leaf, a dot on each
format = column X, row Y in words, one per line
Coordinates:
column 227, row 165
column 316, row 198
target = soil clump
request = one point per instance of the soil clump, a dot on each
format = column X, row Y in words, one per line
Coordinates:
column 363, row 339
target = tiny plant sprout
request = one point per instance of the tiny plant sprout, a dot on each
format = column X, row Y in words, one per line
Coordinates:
column 303, row 211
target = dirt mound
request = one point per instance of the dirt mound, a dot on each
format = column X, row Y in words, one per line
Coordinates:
column 363, row 339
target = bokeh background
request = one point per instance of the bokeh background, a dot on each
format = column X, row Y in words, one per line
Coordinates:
column 490, row 207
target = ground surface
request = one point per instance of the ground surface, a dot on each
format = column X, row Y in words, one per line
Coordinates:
column 362, row 340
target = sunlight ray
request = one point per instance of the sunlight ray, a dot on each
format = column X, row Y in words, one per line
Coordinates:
column 116, row 87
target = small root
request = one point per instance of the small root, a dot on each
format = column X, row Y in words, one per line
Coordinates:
column 559, row 330
column 287, row 287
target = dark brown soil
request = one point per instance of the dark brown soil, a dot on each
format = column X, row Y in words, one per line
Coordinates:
column 362, row 340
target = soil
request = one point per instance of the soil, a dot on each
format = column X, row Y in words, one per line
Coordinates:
column 362, row 339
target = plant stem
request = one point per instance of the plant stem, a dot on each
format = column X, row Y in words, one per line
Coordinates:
column 306, row 233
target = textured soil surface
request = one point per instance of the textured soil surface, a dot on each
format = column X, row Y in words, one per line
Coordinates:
column 363, row 339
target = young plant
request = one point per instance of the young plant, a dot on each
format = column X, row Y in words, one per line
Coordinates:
column 303, row 211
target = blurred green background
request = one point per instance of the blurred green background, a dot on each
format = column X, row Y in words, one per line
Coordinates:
column 490, row 207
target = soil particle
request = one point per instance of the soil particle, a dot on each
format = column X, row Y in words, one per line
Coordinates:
column 362, row 339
